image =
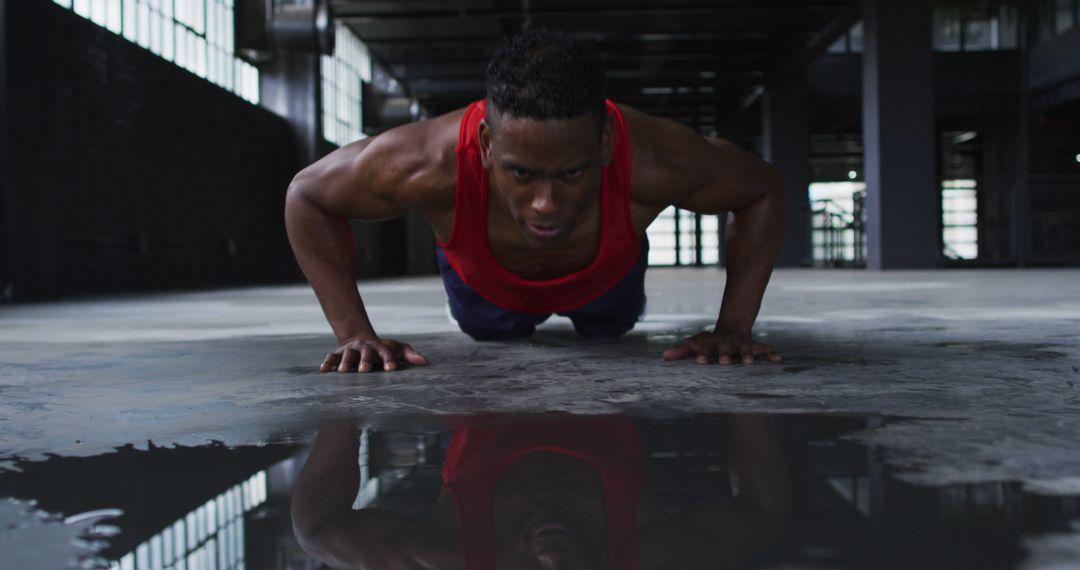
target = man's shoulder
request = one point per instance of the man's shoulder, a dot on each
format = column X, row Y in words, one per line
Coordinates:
column 656, row 140
column 420, row 159
column 663, row 153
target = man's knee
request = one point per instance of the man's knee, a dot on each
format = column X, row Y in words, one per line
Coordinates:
column 484, row 322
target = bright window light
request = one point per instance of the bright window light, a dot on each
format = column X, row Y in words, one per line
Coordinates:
column 196, row 35
column 959, row 217
column 833, row 203
column 99, row 12
column 114, row 18
column 342, row 77
column 661, row 234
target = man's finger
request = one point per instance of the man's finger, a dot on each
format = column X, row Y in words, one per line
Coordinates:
column 768, row 351
column 725, row 351
column 348, row 360
column 747, row 353
column 707, row 351
column 366, row 356
column 679, row 351
column 330, row 362
column 412, row 356
column 389, row 361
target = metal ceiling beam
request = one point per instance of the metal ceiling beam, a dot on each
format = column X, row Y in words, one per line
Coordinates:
column 599, row 38
column 817, row 46
column 606, row 51
column 357, row 11
column 610, row 61
column 618, row 84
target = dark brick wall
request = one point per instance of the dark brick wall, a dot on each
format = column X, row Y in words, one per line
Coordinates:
column 129, row 173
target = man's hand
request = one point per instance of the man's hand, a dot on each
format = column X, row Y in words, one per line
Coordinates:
column 362, row 353
column 722, row 345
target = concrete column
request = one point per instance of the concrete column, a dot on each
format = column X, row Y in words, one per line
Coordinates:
column 1020, row 190
column 786, row 142
column 903, row 200
column 6, row 289
column 290, row 86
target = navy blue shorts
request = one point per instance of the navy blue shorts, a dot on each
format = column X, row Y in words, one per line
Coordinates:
column 612, row 314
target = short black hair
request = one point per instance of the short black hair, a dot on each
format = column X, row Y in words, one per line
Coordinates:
column 541, row 74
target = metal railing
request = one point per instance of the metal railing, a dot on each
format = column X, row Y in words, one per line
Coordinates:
column 839, row 235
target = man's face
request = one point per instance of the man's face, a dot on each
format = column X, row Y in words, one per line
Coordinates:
column 546, row 172
column 548, row 514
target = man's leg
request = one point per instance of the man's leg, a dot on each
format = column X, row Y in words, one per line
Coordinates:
column 478, row 317
column 614, row 313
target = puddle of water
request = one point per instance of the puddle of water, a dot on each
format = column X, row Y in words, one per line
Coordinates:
column 583, row 492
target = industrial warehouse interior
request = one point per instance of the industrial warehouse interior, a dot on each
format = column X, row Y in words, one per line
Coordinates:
column 185, row 185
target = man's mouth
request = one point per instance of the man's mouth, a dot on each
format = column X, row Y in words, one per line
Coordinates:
column 544, row 232
column 550, row 529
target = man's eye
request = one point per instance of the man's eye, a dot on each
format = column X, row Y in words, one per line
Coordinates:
column 572, row 173
column 521, row 173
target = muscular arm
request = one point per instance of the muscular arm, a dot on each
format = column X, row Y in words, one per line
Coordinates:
column 753, row 235
column 758, row 513
column 318, row 205
column 324, row 522
column 676, row 166
column 405, row 169
column 725, row 532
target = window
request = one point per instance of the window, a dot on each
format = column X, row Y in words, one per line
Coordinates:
column 342, row 77
column 958, row 216
column 679, row 237
column 851, row 42
column 976, row 27
column 1064, row 15
column 946, row 32
column 197, row 35
column 836, row 237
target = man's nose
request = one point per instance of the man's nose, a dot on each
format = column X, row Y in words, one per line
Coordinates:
column 545, row 201
column 553, row 560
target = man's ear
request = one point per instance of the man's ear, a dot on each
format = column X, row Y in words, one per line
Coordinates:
column 607, row 140
column 484, row 135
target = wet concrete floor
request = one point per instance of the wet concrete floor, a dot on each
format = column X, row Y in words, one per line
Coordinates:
column 944, row 418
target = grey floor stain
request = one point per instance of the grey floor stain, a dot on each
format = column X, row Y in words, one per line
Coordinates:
column 758, row 396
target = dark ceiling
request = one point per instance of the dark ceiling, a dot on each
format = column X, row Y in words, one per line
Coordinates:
column 698, row 62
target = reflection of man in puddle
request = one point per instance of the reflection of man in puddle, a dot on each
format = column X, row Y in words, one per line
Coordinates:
column 544, row 495
column 539, row 197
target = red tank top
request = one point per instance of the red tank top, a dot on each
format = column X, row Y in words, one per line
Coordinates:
column 477, row 458
column 469, row 251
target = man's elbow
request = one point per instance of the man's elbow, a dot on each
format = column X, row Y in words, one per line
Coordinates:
column 301, row 184
column 773, row 184
column 301, row 196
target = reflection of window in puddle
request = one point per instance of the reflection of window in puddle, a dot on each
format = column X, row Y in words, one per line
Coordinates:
column 210, row 536
column 161, row 508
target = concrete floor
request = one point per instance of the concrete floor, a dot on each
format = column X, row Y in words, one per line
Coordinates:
column 987, row 360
